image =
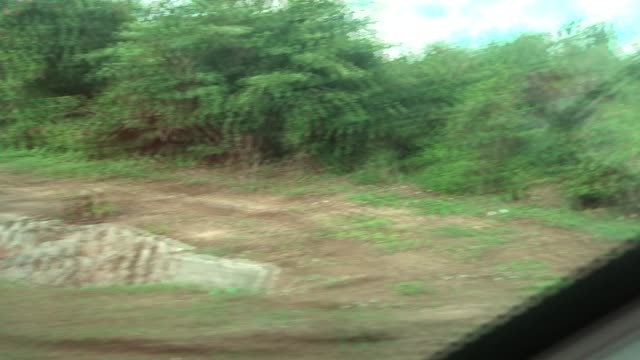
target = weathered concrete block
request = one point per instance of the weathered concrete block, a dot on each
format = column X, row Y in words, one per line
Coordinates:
column 217, row 272
column 48, row 252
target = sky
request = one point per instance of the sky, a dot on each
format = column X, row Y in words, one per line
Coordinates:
column 415, row 23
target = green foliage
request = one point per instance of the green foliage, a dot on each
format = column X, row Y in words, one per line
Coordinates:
column 239, row 82
column 608, row 166
column 493, row 120
column 382, row 232
column 602, row 228
column 240, row 85
column 70, row 164
column 44, row 77
column 411, row 288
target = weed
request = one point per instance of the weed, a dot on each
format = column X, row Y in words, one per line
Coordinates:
column 548, row 286
column 197, row 181
column 472, row 242
column 534, row 276
column 601, row 227
column 524, row 269
column 104, row 209
column 89, row 206
column 380, row 231
column 411, row 288
column 76, row 165
column 605, row 227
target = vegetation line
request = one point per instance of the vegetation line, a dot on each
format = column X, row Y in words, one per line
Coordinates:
column 226, row 84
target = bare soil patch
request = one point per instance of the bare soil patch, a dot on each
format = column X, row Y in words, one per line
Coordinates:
column 320, row 270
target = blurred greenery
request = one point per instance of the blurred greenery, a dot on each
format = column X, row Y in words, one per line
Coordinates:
column 223, row 82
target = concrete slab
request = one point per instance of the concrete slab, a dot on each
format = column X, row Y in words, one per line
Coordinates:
column 217, row 272
column 51, row 253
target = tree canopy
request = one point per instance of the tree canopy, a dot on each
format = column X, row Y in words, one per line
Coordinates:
column 246, row 82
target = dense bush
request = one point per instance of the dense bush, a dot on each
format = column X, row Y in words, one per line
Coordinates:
column 245, row 82
column 44, row 78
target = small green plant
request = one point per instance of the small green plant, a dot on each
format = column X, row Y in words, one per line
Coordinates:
column 411, row 288
column 90, row 206
column 470, row 242
column 548, row 286
column 426, row 205
column 366, row 228
column 104, row 209
column 536, row 276
column 76, row 165
column 529, row 269
column 380, row 231
column 601, row 227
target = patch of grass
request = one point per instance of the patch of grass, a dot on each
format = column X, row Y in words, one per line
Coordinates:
column 89, row 206
column 145, row 288
column 425, row 206
column 534, row 276
column 472, row 242
column 601, row 227
column 387, row 199
column 549, row 285
column 76, row 165
column 366, row 228
column 282, row 319
column 307, row 189
column 378, row 230
column 8, row 284
column 411, row 288
column 314, row 281
column 524, row 269
column 232, row 291
column 336, row 280
column 310, row 185
column 104, row 209
column 458, row 231
column 605, row 227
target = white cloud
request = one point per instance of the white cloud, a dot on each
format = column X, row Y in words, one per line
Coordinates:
column 599, row 10
column 405, row 21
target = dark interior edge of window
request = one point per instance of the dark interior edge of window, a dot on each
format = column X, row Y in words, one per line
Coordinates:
column 599, row 339
column 608, row 286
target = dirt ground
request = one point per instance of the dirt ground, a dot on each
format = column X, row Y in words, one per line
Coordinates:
column 416, row 299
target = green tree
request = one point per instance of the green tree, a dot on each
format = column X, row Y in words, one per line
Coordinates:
column 44, row 75
column 239, row 82
column 490, row 127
